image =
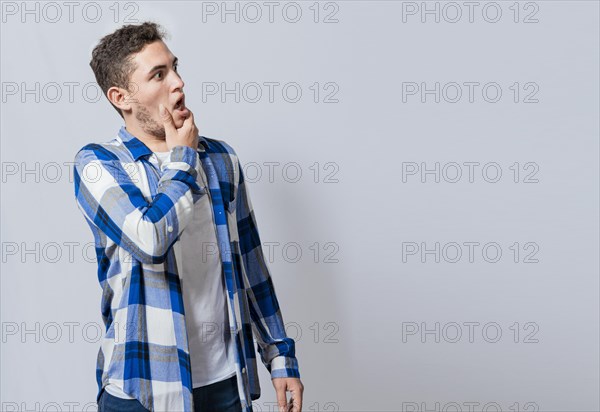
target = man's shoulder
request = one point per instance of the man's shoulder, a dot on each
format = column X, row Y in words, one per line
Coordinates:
column 110, row 150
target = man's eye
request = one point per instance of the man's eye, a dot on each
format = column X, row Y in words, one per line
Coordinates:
column 158, row 73
column 175, row 67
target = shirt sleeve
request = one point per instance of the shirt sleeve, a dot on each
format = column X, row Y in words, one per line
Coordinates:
column 277, row 351
column 109, row 199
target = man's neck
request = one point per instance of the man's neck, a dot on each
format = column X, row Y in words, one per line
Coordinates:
column 154, row 143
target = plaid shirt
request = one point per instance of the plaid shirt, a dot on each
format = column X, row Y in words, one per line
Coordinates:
column 136, row 213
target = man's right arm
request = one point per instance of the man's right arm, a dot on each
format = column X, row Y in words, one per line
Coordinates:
column 108, row 197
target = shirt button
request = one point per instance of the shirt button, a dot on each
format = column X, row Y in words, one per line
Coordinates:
column 243, row 370
column 170, row 229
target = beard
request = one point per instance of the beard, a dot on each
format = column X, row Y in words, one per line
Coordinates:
column 148, row 124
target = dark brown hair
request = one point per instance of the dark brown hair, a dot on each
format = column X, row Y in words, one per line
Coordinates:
column 112, row 61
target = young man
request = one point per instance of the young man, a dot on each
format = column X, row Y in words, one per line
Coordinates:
column 185, row 284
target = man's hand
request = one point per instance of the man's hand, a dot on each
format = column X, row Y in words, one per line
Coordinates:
column 292, row 385
column 186, row 135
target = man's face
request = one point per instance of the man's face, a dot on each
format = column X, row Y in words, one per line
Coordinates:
column 154, row 81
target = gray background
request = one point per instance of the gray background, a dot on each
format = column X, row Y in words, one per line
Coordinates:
column 352, row 310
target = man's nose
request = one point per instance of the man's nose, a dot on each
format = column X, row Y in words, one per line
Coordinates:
column 178, row 83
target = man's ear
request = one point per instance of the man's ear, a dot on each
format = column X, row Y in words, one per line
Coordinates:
column 120, row 97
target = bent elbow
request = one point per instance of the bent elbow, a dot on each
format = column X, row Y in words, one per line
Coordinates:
column 151, row 245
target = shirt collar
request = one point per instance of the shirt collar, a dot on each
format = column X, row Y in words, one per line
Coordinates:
column 137, row 148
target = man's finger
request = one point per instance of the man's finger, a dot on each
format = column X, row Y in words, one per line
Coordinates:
column 167, row 119
column 190, row 119
column 297, row 404
column 281, row 399
column 296, row 398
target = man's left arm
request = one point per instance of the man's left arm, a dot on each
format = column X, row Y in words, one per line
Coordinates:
column 277, row 351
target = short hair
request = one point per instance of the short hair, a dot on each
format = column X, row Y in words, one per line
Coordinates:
column 112, row 60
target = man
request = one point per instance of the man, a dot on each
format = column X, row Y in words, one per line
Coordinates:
column 185, row 284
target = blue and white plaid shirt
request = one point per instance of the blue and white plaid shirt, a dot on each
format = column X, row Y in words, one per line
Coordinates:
column 136, row 213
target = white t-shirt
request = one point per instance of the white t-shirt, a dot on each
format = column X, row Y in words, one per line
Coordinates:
column 204, row 296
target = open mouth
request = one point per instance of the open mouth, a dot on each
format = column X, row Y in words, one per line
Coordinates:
column 180, row 104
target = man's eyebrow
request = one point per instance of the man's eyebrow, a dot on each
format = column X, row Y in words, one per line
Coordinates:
column 162, row 66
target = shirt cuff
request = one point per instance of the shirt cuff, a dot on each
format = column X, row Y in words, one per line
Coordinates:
column 284, row 367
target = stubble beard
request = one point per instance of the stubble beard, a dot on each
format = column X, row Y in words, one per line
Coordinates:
column 148, row 124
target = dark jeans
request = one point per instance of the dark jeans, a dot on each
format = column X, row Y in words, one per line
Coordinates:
column 217, row 397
